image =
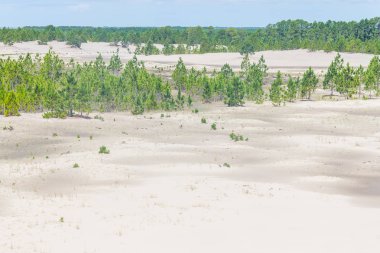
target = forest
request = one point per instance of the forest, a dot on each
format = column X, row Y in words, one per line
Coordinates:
column 62, row 89
column 362, row 36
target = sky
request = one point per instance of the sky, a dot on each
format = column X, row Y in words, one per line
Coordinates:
column 221, row 13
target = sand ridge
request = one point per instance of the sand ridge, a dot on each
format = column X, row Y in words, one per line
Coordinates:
column 289, row 61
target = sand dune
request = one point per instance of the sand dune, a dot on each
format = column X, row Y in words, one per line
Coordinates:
column 305, row 181
column 291, row 61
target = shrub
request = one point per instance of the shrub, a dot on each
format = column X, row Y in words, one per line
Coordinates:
column 237, row 137
column 213, row 126
column 203, row 121
column 57, row 115
column 226, row 165
column 104, row 150
column 76, row 165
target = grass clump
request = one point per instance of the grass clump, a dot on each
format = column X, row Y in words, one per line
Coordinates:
column 237, row 137
column 203, row 121
column 104, row 150
column 213, row 126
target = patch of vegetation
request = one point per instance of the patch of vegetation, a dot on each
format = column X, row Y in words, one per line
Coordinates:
column 237, row 137
column 76, row 165
column 55, row 114
column 226, row 165
column 104, row 150
column 213, row 126
column 203, row 121
column 9, row 128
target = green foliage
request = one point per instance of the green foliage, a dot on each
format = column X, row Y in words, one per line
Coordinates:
column 331, row 77
column 309, row 83
column 58, row 115
column 372, row 76
column 237, row 137
column 75, row 165
column 11, row 104
column 235, row 92
column 203, row 121
column 104, row 150
column 292, row 91
column 213, row 126
column 347, row 81
column 361, row 36
column 253, row 76
column 277, row 91
column 227, row 165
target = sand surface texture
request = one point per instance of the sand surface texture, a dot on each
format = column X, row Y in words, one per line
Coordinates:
column 307, row 180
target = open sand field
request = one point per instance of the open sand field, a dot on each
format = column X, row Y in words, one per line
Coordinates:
column 291, row 61
column 307, row 179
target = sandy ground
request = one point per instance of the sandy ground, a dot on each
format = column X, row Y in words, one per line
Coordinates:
column 307, row 180
column 291, row 61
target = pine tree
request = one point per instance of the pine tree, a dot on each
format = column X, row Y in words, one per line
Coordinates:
column 309, row 83
column 292, row 89
column 330, row 80
column 235, row 92
column 276, row 94
column 11, row 104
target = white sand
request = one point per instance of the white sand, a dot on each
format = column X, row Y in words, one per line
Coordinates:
column 306, row 181
column 291, row 61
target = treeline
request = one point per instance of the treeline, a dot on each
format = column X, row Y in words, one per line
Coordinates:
column 362, row 36
column 59, row 90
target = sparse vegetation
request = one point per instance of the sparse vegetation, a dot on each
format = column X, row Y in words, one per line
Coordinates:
column 227, row 165
column 237, row 137
column 203, row 121
column 213, row 126
column 8, row 128
column 104, row 150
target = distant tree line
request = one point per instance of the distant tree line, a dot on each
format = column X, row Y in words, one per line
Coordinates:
column 59, row 90
column 362, row 36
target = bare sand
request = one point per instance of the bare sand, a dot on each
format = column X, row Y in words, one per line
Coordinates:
column 290, row 61
column 307, row 180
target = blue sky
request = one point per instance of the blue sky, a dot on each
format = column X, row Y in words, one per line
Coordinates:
column 179, row 12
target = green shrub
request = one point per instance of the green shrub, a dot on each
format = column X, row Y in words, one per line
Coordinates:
column 203, row 121
column 57, row 115
column 76, row 165
column 213, row 126
column 226, row 165
column 237, row 137
column 104, row 150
